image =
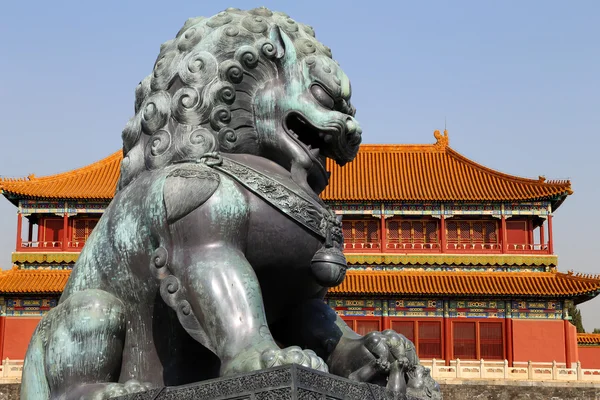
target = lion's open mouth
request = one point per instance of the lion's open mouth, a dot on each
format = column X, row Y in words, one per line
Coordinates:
column 315, row 141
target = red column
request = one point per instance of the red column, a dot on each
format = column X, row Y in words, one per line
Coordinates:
column 569, row 341
column 447, row 340
column 2, row 335
column 19, row 228
column 30, row 231
column 65, row 236
column 383, row 235
column 550, row 241
column 542, row 235
column 504, row 236
column 443, row 233
column 509, row 342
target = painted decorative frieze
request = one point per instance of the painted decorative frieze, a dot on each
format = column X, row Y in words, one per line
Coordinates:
column 476, row 309
column 357, row 307
column 416, row 308
column 28, row 207
column 527, row 309
column 27, row 306
column 540, row 208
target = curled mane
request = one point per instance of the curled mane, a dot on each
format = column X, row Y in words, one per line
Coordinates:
column 198, row 98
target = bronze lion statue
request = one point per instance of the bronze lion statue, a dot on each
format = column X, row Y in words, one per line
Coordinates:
column 216, row 252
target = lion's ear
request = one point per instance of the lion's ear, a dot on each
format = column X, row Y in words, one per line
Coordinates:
column 285, row 50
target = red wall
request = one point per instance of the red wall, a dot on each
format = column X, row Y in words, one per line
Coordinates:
column 16, row 335
column 542, row 341
column 589, row 357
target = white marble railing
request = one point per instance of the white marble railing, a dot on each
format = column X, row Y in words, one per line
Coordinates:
column 11, row 370
column 533, row 371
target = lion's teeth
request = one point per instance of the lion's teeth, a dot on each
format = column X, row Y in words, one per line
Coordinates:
column 309, row 147
column 315, row 152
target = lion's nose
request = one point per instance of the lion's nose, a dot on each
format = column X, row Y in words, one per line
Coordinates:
column 353, row 131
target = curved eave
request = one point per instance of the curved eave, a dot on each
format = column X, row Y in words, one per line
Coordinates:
column 432, row 173
column 473, row 284
column 20, row 282
column 96, row 181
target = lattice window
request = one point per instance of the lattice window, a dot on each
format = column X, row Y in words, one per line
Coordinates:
column 431, row 231
column 412, row 231
column 452, row 232
column 491, row 341
column 490, row 232
column 363, row 327
column 393, row 231
column 406, row 328
column 360, row 231
column 82, row 228
column 472, row 232
column 430, row 340
column 406, row 232
column 465, row 344
column 372, row 231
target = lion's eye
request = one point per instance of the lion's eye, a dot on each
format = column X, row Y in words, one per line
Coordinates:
column 322, row 96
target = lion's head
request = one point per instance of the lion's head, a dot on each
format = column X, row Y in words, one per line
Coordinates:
column 253, row 82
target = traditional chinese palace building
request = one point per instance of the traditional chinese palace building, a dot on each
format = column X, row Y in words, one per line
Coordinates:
column 456, row 256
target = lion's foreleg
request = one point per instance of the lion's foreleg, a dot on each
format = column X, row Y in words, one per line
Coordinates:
column 218, row 294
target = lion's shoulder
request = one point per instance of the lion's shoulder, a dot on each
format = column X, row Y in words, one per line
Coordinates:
column 187, row 187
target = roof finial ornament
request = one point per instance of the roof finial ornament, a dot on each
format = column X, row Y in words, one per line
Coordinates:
column 441, row 140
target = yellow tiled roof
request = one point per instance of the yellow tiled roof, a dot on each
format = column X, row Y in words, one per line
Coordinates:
column 432, row 172
column 467, row 283
column 429, row 173
column 95, row 181
column 588, row 338
column 33, row 280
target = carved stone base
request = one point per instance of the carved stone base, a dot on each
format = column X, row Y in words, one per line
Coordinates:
column 280, row 383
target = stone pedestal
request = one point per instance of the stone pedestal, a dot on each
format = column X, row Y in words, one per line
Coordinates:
column 291, row 382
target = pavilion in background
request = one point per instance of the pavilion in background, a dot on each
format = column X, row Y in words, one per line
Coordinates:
column 456, row 256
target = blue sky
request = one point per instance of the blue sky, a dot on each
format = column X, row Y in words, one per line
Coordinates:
column 516, row 81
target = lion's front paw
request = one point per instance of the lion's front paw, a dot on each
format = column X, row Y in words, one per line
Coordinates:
column 108, row 390
column 292, row 355
column 256, row 358
column 120, row 389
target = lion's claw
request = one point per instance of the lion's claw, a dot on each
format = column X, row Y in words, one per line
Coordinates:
column 292, row 355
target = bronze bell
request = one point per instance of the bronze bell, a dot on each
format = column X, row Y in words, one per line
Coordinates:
column 329, row 266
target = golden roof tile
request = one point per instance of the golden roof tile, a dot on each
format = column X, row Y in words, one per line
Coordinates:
column 431, row 172
column 545, row 284
column 33, row 280
column 94, row 181
column 588, row 338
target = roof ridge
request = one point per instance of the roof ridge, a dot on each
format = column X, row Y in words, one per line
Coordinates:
column 89, row 167
column 453, row 153
column 548, row 274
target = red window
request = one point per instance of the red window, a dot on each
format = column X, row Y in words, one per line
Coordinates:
column 52, row 232
column 412, row 231
column 469, row 232
column 429, row 344
column 475, row 340
column 465, row 345
column 516, row 232
column 363, row 326
column 82, row 228
column 426, row 336
column 406, row 328
column 361, row 231
column 490, row 339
